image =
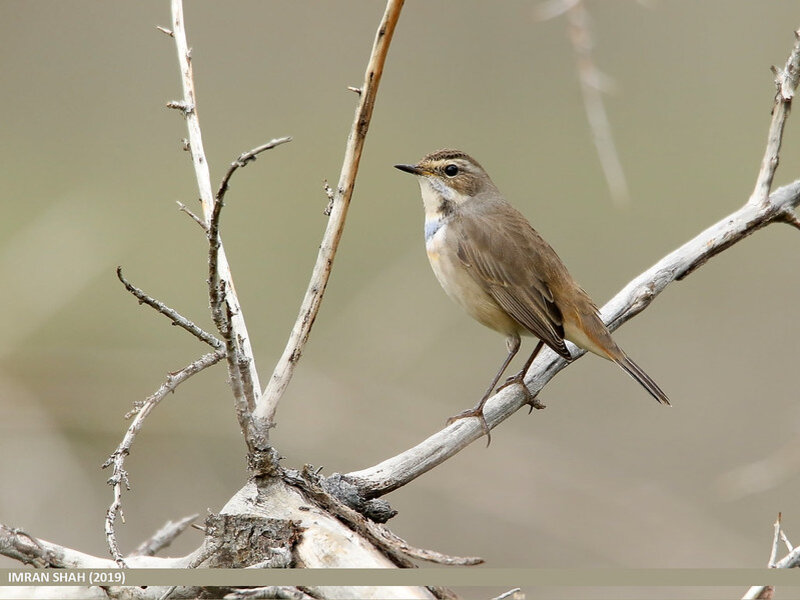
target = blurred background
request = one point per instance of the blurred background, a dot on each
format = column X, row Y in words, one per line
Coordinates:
column 92, row 166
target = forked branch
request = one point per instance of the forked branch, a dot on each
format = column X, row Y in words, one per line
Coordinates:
column 241, row 364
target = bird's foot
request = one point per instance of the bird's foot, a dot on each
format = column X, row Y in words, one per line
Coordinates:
column 474, row 412
column 530, row 399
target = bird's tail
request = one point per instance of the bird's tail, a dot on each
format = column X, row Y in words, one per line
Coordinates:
column 635, row 371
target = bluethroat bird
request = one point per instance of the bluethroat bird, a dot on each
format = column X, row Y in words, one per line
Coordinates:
column 493, row 263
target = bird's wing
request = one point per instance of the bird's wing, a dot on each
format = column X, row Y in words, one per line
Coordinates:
column 509, row 260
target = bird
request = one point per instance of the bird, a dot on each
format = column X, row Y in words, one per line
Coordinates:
column 492, row 262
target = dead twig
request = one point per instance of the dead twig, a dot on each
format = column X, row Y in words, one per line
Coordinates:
column 309, row 308
column 786, row 81
column 514, row 594
column 170, row 313
column 243, row 160
column 119, row 475
column 241, row 366
column 185, row 209
column 164, row 536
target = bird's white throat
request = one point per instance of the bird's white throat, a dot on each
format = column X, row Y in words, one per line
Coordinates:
column 435, row 194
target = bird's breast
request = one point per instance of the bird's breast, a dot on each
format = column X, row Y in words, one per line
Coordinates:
column 457, row 282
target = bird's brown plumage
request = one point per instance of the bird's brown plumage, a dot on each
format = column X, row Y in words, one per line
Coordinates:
column 489, row 258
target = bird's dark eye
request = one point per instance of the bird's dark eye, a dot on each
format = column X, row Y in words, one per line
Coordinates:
column 451, row 170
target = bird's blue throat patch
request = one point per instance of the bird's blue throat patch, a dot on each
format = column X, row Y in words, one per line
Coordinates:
column 431, row 227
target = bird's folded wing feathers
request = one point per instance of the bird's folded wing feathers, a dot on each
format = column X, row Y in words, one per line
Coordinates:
column 499, row 260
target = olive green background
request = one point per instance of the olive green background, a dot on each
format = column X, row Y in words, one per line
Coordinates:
column 92, row 165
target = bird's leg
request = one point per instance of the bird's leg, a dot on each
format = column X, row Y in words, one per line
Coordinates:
column 519, row 378
column 512, row 343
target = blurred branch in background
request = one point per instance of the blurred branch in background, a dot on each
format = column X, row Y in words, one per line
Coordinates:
column 594, row 83
column 759, row 476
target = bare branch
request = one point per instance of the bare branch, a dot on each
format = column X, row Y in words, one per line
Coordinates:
column 378, row 534
column 183, row 208
column 786, row 81
column 164, row 536
column 319, row 278
column 222, row 311
column 171, row 314
column 776, row 543
column 271, row 591
column 119, row 476
column 25, row 548
column 786, row 541
column 40, row 553
column 242, row 369
column 514, row 594
column 242, row 161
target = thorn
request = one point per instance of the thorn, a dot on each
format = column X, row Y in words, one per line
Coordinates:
column 329, row 193
column 357, row 90
column 169, row 32
column 183, row 208
column 185, row 145
column 184, row 107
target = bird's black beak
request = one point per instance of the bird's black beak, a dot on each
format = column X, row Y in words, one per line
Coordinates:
column 413, row 169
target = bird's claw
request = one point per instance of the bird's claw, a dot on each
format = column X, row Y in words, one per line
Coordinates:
column 530, row 399
column 474, row 412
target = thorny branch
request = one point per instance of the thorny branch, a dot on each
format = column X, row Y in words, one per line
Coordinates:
column 170, row 313
column 119, row 475
column 241, row 364
column 242, row 161
column 221, row 310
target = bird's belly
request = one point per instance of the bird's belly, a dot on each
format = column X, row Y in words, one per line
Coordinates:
column 464, row 291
